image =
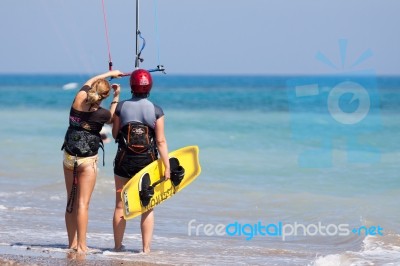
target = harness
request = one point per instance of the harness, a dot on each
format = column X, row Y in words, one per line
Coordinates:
column 82, row 143
column 137, row 138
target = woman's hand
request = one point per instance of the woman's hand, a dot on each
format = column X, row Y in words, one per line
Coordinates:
column 116, row 88
column 167, row 173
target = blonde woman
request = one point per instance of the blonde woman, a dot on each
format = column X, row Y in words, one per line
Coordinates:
column 81, row 145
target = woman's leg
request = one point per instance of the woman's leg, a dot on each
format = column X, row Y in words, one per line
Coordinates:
column 147, row 226
column 86, row 181
column 70, row 218
column 119, row 222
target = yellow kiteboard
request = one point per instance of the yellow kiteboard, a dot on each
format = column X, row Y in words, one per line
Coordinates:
column 148, row 189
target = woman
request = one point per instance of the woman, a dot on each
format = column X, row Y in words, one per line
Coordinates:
column 81, row 145
column 138, row 126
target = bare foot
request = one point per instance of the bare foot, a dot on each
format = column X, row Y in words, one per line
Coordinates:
column 71, row 255
column 82, row 250
column 120, row 249
column 146, row 250
column 76, row 255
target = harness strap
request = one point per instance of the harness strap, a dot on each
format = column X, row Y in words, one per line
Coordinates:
column 72, row 195
column 101, row 145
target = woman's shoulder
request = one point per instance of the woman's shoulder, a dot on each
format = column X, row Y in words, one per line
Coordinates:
column 80, row 97
column 158, row 111
column 85, row 88
column 82, row 93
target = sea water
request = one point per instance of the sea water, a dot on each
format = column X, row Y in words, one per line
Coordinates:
column 284, row 181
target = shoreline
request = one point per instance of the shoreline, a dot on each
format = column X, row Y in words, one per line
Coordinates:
column 27, row 260
column 29, row 257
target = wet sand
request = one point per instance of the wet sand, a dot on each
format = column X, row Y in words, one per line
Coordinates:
column 22, row 260
column 44, row 258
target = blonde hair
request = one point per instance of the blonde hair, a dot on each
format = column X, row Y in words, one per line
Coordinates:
column 99, row 90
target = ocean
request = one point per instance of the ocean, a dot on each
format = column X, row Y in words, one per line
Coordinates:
column 296, row 170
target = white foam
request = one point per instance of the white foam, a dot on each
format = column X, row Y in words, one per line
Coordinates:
column 56, row 198
column 22, row 208
column 382, row 248
column 339, row 259
column 19, row 246
column 376, row 251
column 70, row 86
column 121, row 253
column 2, row 207
column 9, row 194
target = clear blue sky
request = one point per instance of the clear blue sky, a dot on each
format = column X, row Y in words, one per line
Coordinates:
column 200, row 36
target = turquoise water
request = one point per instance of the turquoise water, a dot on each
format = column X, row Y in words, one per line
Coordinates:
column 266, row 157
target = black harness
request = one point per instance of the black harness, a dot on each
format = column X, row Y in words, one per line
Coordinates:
column 137, row 138
column 81, row 142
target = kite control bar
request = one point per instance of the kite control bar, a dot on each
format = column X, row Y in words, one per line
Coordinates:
column 157, row 69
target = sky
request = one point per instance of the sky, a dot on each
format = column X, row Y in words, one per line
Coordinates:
column 248, row 37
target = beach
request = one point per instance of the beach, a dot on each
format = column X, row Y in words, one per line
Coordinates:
column 286, row 178
column 26, row 260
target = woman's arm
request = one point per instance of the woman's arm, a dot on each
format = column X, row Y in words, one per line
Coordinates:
column 115, row 127
column 162, row 146
column 114, row 74
column 81, row 96
column 113, row 105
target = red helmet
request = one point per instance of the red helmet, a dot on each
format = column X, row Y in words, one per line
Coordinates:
column 141, row 81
